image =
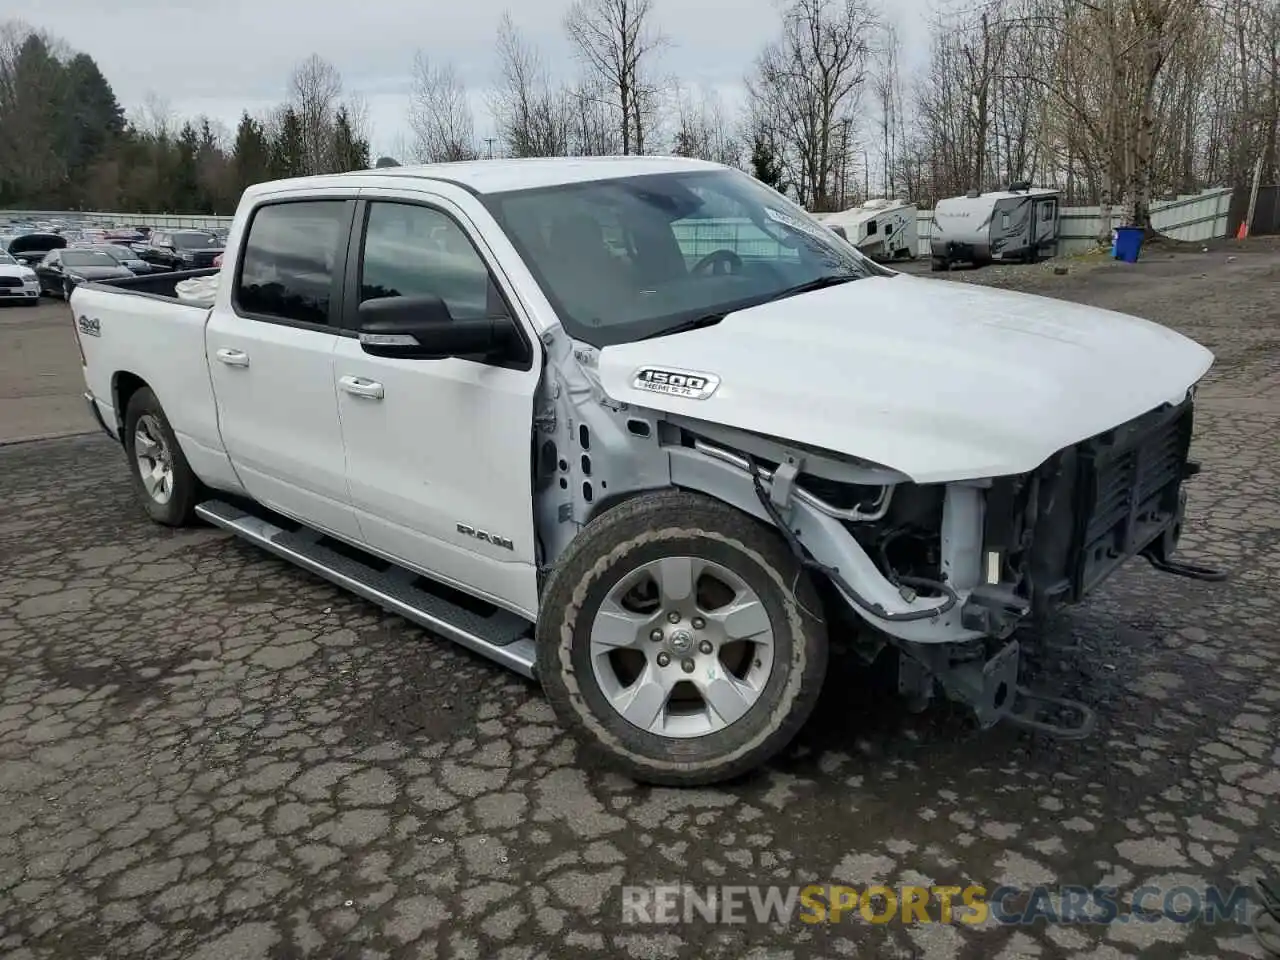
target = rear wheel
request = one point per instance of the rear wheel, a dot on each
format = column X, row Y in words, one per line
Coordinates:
column 938, row 264
column 678, row 640
column 161, row 476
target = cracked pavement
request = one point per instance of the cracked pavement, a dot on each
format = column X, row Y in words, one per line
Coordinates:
column 207, row 753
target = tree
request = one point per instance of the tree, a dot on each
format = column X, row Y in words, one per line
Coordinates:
column 806, row 83
column 314, row 91
column 440, row 114
column 251, row 155
column 350, row 152
column 289, row 151
column 615, row 41
column 765, row 165
column 532, row 118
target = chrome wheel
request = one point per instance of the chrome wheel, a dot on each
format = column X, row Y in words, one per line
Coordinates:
column 155, row 461
column 682, row 647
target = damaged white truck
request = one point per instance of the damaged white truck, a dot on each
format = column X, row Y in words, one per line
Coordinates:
column 642, row 429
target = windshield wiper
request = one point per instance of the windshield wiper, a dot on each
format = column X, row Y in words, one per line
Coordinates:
column 819, row 283
column 696, row 323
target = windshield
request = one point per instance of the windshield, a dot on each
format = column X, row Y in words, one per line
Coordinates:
column 630, row 258
column 86, row 258
column 194, row 241
column 117, row 252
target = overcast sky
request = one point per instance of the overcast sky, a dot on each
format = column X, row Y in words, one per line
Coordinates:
column 218, row 57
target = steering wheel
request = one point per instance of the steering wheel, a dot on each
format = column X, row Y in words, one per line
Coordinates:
column 710, row 264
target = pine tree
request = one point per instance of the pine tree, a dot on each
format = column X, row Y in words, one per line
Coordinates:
column 251, row 157
column 288, row 153
column 349, row 151
column 766, row 166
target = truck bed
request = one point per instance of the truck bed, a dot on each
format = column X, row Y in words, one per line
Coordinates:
column 159, row 284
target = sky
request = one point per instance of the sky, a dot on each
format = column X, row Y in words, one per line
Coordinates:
column 219, row 57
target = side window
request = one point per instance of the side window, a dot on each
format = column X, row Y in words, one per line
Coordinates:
column 412, row 251
column 289, row 260
column 871, row 227
column 1046, row 211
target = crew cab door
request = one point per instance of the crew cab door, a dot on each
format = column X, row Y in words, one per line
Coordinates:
column 270, row 345
column 438, row 450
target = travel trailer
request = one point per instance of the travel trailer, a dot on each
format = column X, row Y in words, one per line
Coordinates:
column 1019, row 224
column 883, row 229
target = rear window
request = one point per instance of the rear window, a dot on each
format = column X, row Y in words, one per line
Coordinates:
column 292, row 251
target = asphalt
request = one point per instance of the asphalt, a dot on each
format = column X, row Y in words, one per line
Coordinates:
column 207, row 753
column 41, row 390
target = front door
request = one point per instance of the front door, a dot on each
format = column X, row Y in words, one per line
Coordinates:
column 1046, row 226
column 270, row 347
column 439, row 451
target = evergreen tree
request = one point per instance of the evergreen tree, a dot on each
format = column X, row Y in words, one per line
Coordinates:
column 288, row 153
column 186, row 177
column 251, row 157
column 766, row 166
column 349, row 151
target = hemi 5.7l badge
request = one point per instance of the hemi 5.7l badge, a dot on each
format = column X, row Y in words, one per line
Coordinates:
column 689, row 384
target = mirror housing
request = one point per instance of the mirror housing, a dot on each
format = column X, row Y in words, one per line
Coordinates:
column 421, row 328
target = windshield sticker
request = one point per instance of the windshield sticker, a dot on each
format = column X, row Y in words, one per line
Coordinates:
column 688, row 384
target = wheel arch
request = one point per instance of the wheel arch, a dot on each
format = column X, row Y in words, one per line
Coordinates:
column 124, row 385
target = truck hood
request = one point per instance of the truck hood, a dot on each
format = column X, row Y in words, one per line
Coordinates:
column 936, row 379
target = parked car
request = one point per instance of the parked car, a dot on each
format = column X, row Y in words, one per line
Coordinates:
column 125, row 256
column 30, row 248
column 181, row 250
column 61, row 270
column 658, row 475
column 18, row 282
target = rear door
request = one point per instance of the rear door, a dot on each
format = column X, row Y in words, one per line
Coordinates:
column 270, row 344
column 1046, row 225
column 439, row 451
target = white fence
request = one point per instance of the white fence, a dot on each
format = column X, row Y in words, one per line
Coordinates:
column 169, row 221
column 1199, row 216
column 1194, row 216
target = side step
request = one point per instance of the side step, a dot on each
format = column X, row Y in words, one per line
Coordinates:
column 501, row 636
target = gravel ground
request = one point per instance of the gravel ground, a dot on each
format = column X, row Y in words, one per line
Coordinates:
column 206, row 753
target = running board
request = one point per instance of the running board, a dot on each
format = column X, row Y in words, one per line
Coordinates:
column 501, row 636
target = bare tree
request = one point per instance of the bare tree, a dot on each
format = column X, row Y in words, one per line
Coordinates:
column 532, row 118
column 807, row 84
column 703, row 129
column 440, row 114
column 616, row 40
column 315, row 91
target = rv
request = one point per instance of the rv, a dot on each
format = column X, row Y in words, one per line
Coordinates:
column 882, row 229
column 1019, row 224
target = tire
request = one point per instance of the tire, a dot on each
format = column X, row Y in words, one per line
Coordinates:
column 780, row 667
column 172, row 502
column 938, row 264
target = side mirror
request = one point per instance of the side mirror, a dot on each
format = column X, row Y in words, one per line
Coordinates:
column 422, row 328
column 839, row 231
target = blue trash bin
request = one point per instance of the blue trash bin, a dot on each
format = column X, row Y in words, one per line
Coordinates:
column 1128, row 243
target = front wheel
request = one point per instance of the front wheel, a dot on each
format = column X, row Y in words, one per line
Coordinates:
column 679, row 638
column 161, row 476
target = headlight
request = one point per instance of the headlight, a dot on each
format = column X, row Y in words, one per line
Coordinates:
column 75, row 278
column 29, row 275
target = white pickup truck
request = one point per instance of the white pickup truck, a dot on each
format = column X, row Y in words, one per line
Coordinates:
column 642, row 429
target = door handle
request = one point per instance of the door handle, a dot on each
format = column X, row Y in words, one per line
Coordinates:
column 233, row 358
column 360, row 387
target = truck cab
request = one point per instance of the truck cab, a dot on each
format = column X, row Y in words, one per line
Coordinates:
column 645, row 431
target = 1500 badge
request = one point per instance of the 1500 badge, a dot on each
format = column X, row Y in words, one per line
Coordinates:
column 689, row 384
